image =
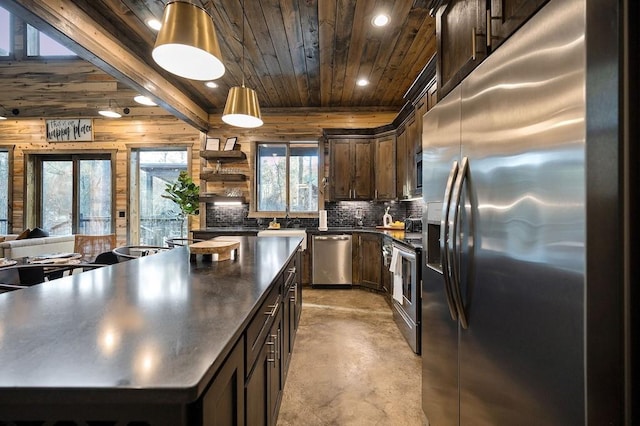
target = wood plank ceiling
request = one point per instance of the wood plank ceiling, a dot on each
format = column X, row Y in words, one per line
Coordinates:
column 299, row 54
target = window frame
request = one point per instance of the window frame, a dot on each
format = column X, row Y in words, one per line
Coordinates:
column 12, row 39
column 9, row 150
column 32, row 181
column 39, row 55
column 133, row 205
column 253, row 203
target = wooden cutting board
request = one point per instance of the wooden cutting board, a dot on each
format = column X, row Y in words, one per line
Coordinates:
column 222, row 248
column 391, row 228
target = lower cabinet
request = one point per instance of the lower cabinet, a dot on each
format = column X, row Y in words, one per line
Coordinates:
column 273, row 336
column 264, row 383
column 292, row 305
column 247, row 389
column 369, row 260
column 223, row 402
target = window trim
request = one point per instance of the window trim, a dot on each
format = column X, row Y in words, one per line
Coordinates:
column 12, row 38
column 133, row 216
column 39, row 55
column 31, row 181
column 9, row 150
column 254, row 212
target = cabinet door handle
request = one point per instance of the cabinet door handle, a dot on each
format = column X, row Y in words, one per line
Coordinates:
column 272, row 353
column 278, row 354
column 376, row 194
column 273, row 310
column 294, row 290
column 473, row 43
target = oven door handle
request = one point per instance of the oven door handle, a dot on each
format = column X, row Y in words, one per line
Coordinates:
column 444, row 243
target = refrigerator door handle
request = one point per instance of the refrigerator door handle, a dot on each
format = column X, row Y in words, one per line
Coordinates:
column 454, row 218
column 444, row 236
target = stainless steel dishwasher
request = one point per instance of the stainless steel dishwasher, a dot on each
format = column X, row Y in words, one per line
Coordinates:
column 331, row 260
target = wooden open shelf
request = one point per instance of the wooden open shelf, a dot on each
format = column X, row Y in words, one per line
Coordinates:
column 223, row 177
column 234, row 155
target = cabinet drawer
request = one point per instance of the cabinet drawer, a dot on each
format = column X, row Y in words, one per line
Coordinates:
column 259, row 326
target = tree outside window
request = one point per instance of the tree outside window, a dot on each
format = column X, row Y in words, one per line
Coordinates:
column 287, row 177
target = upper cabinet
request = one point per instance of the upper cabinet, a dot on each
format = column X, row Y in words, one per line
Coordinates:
column 468, row 30
column 506, row 16
column 350, row 165
column 402, row 162
column 461, row 34
column 385, row 168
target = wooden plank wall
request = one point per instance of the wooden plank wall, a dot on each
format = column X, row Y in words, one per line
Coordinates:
column 122, row 134
column 27, row 135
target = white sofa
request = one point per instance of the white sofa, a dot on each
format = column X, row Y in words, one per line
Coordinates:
column 13, row 249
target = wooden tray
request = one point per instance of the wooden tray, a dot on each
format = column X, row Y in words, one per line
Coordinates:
column 222, row 248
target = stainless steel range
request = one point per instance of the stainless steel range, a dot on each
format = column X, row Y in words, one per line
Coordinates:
column 406, row 290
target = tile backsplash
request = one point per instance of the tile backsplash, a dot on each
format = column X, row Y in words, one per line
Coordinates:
column 339, row 214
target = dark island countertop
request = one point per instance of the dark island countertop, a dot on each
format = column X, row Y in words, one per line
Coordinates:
column 150, row 330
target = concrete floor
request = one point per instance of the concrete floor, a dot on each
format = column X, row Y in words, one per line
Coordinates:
column 350, row 364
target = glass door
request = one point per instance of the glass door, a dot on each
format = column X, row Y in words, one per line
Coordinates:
column 75, row 194
column 153, row 218
column 4, row 192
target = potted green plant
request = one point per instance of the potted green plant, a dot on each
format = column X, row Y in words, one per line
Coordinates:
column 186, row 195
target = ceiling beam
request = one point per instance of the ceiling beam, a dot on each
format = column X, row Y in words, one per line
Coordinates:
column 71, row 26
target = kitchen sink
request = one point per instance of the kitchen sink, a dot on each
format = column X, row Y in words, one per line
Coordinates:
column 286, row 233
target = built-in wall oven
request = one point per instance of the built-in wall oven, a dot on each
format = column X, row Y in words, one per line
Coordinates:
column 406, row 292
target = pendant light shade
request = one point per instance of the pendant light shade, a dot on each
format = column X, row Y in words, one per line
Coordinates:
column 242, row 108
column 187, row 44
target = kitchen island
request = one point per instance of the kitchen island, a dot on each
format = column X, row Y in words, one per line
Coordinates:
column 155, row 340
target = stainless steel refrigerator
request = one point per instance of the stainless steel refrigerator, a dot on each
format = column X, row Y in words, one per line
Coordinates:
column 510, row 310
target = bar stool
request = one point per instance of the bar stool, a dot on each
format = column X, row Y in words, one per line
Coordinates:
column 125, row 253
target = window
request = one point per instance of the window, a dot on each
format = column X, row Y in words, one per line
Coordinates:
column 74, row 193
column 5, row 32
column 287, row 177
column 154, row 218
column 40, row 44
column 4, row 192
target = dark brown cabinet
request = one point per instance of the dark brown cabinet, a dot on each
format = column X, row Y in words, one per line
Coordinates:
column 351, row 171
column 507, row 16
column 385, row 168
column 413, row 147
column 468, row 30
column 223, row 402
column 369, row 260
column 264, row 384
column 292, row 307
column 402, row 164
column 461, row 36
column 270, row 337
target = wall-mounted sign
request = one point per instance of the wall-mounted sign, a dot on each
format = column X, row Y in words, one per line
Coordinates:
column 74, row 130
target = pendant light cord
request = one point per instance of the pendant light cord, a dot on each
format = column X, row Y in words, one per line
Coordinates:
column 243, row 18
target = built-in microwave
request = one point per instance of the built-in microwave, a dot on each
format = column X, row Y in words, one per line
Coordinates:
column 419, row 170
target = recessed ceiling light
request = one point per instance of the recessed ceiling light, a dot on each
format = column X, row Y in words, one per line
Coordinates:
column 154, row 24
column 380, row 20
column 211, row 84
column 362, row 82
column 110, row 113
column 144, row 100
